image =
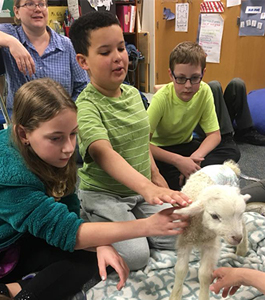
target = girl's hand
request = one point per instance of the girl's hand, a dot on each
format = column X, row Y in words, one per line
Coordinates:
column 226, row 279
column 166, row 222
column 108, row 256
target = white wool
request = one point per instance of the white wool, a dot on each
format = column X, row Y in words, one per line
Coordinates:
column 216, row 211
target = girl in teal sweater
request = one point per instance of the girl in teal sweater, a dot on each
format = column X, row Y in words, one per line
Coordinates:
column 40, row 228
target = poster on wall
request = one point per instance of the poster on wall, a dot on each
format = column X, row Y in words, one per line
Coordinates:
column 252, row 18
column 7, row 8
column 210, row 34
column 182, row 17
column 212, row 7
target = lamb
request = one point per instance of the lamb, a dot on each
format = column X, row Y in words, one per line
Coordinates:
column 216, row 211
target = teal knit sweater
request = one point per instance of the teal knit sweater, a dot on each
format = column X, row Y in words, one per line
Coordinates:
column 25, row 208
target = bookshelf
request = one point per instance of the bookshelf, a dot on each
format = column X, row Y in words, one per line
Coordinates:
column 126, row 12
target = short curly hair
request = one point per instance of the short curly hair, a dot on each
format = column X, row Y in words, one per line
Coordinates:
column 81, row 29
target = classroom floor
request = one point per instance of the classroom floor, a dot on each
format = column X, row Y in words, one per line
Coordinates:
column 252, row 162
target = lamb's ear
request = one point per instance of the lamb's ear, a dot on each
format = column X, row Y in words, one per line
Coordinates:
column 246, row 197
column 194, row 209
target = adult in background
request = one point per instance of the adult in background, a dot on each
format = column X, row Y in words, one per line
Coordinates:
column 31, row 50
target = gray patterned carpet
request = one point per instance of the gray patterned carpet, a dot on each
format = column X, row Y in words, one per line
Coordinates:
column 252, row 162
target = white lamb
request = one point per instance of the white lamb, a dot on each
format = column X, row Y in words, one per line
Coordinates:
column 216, row 212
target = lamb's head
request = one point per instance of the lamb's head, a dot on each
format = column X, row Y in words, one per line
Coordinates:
column 223, row 211
column 222, row 208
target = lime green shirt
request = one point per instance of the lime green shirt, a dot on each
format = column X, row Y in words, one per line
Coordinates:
column 124, row 123
column 172, row 120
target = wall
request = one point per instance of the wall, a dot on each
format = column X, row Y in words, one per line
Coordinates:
column 148, row 25
column 240, row 56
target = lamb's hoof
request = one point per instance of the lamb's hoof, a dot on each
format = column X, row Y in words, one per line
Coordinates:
column 241, row 253
column 175, row 296
column 241, row 250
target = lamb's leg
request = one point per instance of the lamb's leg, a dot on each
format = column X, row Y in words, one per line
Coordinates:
column 242, row 248
column 181, row 270
column 209, row 258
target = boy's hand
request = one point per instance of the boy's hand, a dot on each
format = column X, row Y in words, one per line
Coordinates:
column 181, row 180
column 197, row 158
column 108, row 256
column 158, row 195
column 187, row 166
column 166, row 222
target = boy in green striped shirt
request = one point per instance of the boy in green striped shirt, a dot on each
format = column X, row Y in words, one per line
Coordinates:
column 119, row 179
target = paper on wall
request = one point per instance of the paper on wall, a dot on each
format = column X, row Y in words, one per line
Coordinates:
column 182, row 17
column 252, row 22
column 210, row 36
column 230, row 3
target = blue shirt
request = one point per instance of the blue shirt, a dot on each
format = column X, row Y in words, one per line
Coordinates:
column 57, row 62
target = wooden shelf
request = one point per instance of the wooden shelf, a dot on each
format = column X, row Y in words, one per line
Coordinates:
column 6, row 20
column 125, row 2
column 129, row 37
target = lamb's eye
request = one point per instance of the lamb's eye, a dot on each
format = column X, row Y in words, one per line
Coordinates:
column 215, row 217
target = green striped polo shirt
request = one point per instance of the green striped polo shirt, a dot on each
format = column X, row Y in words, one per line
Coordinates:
column 123, row 121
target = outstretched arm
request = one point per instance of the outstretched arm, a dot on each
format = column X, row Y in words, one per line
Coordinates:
column 230, row 279
column 156, row 177
column 24, row 61
column 163, row 223
column 117, row 167
column 101, row 235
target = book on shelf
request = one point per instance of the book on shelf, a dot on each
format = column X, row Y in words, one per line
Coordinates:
column 132, row 18
column 124, row 15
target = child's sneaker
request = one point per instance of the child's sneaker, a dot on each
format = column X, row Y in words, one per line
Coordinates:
column 250, row 136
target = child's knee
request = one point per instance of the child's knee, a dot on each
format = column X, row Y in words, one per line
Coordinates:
column 238, row 83
column 137, row 261
column 163, row 242
column 83, row 215
column 135, row 252
column 215, row 86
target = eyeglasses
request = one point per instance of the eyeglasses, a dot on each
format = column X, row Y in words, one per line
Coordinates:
column 33, row 5
column 183, row 80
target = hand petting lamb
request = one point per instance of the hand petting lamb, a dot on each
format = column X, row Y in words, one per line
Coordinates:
column 216, row 212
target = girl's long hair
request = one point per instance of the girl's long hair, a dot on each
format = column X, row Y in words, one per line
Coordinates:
column 39, row 101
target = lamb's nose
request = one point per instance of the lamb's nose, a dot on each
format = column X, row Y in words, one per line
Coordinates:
column 237, row 238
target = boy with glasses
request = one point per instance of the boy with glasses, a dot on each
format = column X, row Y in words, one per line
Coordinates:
column 176, row 110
